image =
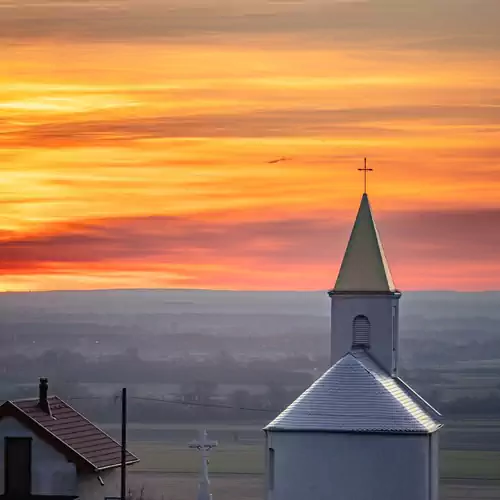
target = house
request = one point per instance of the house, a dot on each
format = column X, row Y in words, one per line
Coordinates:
column 359, row 432
column 50, row 450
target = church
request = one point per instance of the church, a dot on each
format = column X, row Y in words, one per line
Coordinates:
column 359, row 432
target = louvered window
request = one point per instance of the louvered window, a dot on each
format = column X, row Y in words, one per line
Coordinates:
column 361, row 332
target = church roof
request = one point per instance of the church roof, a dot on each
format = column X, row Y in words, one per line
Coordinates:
column 364, row 268
column 356, row 395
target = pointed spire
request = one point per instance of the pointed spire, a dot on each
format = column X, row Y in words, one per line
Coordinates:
column 364, row 268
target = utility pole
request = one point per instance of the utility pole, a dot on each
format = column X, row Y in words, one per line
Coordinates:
column 123, row 490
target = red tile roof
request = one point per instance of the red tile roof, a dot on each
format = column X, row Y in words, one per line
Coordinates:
column 70, row 432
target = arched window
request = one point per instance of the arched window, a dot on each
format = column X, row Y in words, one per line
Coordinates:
column 361, row 331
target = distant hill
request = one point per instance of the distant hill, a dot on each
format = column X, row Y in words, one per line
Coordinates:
column 254, row 323
column 101, row 304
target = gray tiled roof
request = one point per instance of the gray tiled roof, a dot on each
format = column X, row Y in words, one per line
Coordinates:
column 356, row 395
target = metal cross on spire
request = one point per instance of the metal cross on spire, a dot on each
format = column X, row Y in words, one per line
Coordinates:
column 204, row 446
column 365, row 170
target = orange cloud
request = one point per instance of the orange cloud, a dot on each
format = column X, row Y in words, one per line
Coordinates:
column 136, row 153
column 294, row 253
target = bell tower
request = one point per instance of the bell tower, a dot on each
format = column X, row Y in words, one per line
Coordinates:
column 327, row 444
column 365, row 302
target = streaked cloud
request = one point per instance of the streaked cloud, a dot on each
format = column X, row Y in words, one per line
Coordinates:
column 349, row 122
column 415, row 241
column 421, row 25
column 135, row 140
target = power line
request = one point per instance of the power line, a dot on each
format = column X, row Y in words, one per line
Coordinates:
column 459, row 479
column 206, row 405
column 215, row 405
column 176, row 402
column 84, row 398
column 180, row 402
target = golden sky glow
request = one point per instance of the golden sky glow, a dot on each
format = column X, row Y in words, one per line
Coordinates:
column 135, row 140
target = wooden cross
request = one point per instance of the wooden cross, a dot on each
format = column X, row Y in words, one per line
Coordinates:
column 365, row 170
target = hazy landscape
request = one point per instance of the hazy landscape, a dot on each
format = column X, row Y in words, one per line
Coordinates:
column 229, row 361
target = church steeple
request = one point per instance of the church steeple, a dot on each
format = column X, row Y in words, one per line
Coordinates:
column 365, row 307
column 359, row 410
column 364, row 267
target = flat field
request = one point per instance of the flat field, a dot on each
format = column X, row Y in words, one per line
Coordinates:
column 228, row 459
column 168, row 468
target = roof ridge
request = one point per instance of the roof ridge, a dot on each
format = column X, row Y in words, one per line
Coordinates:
column 405, row 389
column 26, row 400
column 414, row 393
column 397, row 400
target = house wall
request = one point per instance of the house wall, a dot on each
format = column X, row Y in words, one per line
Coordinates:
column 89, row 487
column 340, row 466
column 52, row 474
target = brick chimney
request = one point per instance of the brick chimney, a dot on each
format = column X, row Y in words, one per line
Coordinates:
column 43, row 390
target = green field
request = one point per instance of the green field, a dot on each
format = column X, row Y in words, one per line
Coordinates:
column 470, row 465
column 228, row 459
column 168, row 468
column 249, row 459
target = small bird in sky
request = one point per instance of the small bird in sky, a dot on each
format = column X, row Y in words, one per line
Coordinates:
column 280, row 159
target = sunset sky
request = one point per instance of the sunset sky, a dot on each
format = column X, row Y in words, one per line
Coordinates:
column 136, row 135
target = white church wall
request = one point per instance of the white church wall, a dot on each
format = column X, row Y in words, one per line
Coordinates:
column 331, row 466
column 379, row 311
column 435, row 470
column 52, row 474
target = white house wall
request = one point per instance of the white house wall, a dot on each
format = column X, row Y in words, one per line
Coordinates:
column 338, row 466
column 89, row 487
column 52, row 474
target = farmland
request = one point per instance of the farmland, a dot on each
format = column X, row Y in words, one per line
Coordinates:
column 168, row 469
